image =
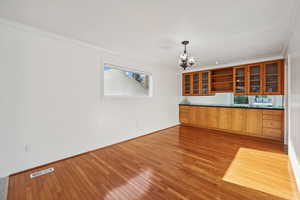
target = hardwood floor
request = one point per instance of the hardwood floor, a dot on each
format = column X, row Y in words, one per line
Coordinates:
column 176, row 163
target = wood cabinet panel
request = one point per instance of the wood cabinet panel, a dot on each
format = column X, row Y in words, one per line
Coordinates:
column 196, row 83
column 272, row 133
column 201, row 116
column 272, row 117
column 185, row 115
column 212, row 117
column 273, row 73
column 240, row 83
column 255, row 79
column 238, row 122
column 272, row 124
column 205, row 83
column 273, row 112
column 254, row 122
column 187, row 84
column 224, row 121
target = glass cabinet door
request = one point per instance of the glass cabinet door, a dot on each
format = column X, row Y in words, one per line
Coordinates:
column 205, row 83
column 272, row 78
column 240, row 84
column 196, row 87
column 255, row 79
column 187, row 80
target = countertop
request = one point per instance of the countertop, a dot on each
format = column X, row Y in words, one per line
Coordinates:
column 235, row 106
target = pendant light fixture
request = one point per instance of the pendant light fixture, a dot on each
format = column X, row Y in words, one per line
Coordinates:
column 184, row 60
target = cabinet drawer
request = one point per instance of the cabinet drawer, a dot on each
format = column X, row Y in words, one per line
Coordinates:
column 272, row 124
column 273, row 133
column 272, row 117
column 186, row 107
column 273, row 112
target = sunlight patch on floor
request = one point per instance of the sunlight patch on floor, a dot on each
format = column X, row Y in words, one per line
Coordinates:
column 263, row 171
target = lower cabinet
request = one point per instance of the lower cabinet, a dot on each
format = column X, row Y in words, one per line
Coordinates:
column 273, row 124
column 238, row 120
column 201, row 116
column 212, row 117
column 225, row 118
column 253, row 122
column 185, row 114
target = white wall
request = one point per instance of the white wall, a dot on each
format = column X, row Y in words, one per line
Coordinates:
column 293, row 55
column 52, row 104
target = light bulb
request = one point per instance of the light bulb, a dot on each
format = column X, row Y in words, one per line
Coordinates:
column 180, row 62
column 183, row 56
column 191, row 61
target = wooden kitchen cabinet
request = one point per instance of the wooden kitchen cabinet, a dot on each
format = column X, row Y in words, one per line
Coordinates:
column 196, row 83
column 222, row 80
column 187, row 84
column 273, row 124
column 238, row 122
column 255, row 79
column 224, row 118
column 273, row 78
column 254, row 120
column 212, row 117
column 272, row 133
column 201, row 116
column 186, row 114
column 240, row 83
column 205, row 83
column 265, row 78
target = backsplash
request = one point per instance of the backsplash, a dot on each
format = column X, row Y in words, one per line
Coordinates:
column 227, row 99
column 275, row 100
column 219, row 98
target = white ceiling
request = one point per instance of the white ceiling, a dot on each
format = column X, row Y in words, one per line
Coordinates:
column 227, row 31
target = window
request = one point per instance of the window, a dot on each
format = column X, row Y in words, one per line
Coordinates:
column 119, row 81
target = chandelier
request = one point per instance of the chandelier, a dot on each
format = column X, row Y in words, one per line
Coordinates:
column 184, row 60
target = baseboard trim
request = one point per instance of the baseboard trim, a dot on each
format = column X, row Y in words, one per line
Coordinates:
column 295, row 164
column 4, row 192
column 40, row 166
column 6, row 188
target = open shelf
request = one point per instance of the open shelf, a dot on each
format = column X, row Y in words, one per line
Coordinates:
column 222, row 75
column 222, row 80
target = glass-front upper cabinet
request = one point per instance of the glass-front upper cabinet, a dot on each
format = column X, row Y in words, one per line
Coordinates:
column 240, row 80
column 272, row 77
column 186, row 84
column 205, row 84
column 196, row 83
column 255, row 79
